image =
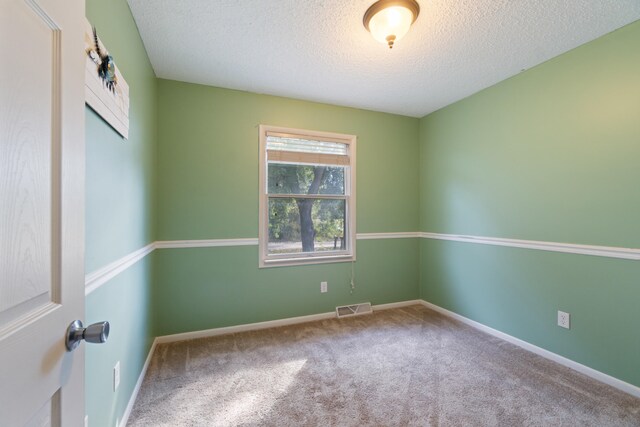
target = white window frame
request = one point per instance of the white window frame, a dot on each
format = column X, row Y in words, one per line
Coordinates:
column 347, row 255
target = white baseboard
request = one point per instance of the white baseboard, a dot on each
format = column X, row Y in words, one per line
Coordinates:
column 269, row 324
column 244, row 328
column 590, row 372
column 396, row 304
column 136, row 389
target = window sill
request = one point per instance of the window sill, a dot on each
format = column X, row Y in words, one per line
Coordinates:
column 288, row 262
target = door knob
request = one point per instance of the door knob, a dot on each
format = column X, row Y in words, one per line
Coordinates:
column 95, row 333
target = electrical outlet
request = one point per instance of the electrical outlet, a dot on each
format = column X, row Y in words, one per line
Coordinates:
column 323, row 287
column 116, row 376
column 564, row 319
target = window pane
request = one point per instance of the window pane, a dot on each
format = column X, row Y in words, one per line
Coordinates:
column 306, row 225
column 305, row 179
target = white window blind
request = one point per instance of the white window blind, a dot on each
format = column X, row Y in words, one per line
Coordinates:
column 291, row 149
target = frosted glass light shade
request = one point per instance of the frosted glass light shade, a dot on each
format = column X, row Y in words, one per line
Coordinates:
column 390, row 20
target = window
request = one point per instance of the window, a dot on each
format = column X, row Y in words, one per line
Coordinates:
column 307, row 197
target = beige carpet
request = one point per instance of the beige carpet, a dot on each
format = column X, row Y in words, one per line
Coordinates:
column 401, row 367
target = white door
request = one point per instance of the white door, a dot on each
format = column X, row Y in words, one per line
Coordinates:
column 41, row 211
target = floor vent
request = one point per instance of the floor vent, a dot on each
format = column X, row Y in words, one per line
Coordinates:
column 354, row 310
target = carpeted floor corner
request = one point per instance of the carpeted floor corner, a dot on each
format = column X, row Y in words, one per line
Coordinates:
column 403, row 367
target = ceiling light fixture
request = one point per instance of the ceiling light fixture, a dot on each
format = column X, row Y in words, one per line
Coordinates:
column 389, row 20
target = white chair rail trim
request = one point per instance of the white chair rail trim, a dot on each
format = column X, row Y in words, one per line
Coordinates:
column 99, row 277
column 376, row 236
column 207, row 243
column 95, row 279
column 571, row 248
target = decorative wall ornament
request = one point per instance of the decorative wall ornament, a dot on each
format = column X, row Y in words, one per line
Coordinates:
column 106, row 91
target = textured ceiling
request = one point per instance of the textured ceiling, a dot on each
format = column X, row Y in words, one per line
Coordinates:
column 319, row 50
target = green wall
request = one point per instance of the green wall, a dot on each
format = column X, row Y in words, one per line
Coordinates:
column 119, row 219
column 208, row 189
column 552, row 155
column 203, row 288
column 546, row 155
column 208, row 160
